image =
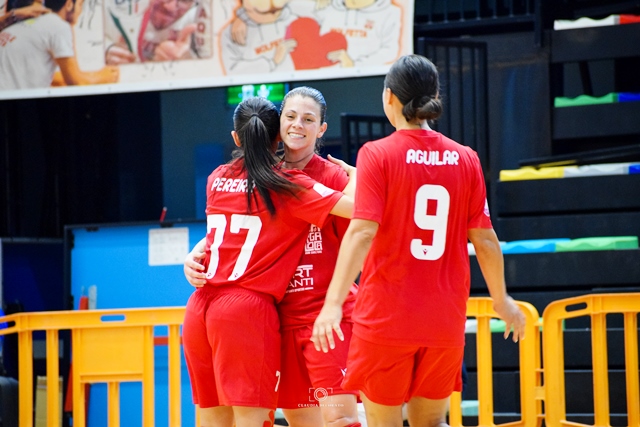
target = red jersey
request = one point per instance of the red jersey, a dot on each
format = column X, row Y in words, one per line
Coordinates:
column 257, row 250
column 308, row 286
column 425, row 191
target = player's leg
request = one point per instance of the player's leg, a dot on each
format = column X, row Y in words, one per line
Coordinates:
column 326, row 372
column 379, row 415
column 342, row 411
column 296, row 394
column 383, row 375
column 218, row 416
column 304, row 417
column 199, row 358
column 436, row 376
column 246, row 416
column 244, row 333
column 423, row 412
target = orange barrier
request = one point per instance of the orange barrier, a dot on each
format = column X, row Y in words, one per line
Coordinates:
column 114, row 346
column 109, row 346
column 531, row 393
column 597, row 307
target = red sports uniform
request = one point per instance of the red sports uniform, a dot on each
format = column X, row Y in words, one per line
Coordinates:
column 231, row 329
column 425, row 191
column 305, row 370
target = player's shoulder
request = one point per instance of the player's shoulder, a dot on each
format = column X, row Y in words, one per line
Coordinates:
column 328, row 173
column 329, row 165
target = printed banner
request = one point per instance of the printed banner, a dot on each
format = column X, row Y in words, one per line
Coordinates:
column 111, row 46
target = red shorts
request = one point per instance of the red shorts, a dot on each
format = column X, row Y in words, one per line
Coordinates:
column 231, row 343
column 308, row 375
column 391, row 375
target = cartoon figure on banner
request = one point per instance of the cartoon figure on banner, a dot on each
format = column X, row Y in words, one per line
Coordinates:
column 372, row 28
column 328, row 33
column 31, row 50
column 157, row 30
column 255, row 41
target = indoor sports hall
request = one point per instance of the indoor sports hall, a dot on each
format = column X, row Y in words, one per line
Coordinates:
column 104, row 168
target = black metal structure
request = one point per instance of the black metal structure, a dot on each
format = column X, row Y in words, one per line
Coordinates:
column 462, row 66
column 442, row 18
column 357, row 129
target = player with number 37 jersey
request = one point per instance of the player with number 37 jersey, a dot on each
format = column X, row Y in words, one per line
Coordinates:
column 258, row 219
column 248, row 249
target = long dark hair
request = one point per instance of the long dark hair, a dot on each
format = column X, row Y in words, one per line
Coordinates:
column 413, row 79
column 257, row 123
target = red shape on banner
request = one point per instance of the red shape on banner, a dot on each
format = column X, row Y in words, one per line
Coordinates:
column 312, row 48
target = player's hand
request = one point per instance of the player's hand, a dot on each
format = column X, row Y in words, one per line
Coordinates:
column 283, row 49
column 193, row 268
column 239, row 31
column 513, row 318
column 170, row 50
column 118, row 55
column 327, row 322
column 344, row 165
column 340, row 56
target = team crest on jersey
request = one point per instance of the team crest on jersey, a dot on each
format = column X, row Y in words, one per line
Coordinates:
column 314, row 241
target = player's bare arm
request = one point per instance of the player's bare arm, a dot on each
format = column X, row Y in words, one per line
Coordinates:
column 350, row 189
column 193, row 268
column 491, row 262
column 353, row 251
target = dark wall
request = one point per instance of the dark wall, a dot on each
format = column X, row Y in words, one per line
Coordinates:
column 78, row 160
column 191, row 118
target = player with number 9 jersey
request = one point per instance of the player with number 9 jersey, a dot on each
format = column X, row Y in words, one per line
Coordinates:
column 425, row 191
column 420, row 197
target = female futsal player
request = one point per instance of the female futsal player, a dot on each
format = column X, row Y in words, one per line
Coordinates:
column 310, row 390
column 255, row 213
column 420, row 197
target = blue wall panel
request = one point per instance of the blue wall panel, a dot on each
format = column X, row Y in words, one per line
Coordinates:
column 115, row 258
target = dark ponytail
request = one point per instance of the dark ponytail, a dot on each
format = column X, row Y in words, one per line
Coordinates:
column 257, row 123
column 413, row 79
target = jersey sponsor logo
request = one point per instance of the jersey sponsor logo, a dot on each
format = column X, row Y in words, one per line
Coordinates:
column 314, row 241
column 432, row 158
column 229, row 185
column 302, row 280
column 322, row 190
column 486, row 208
